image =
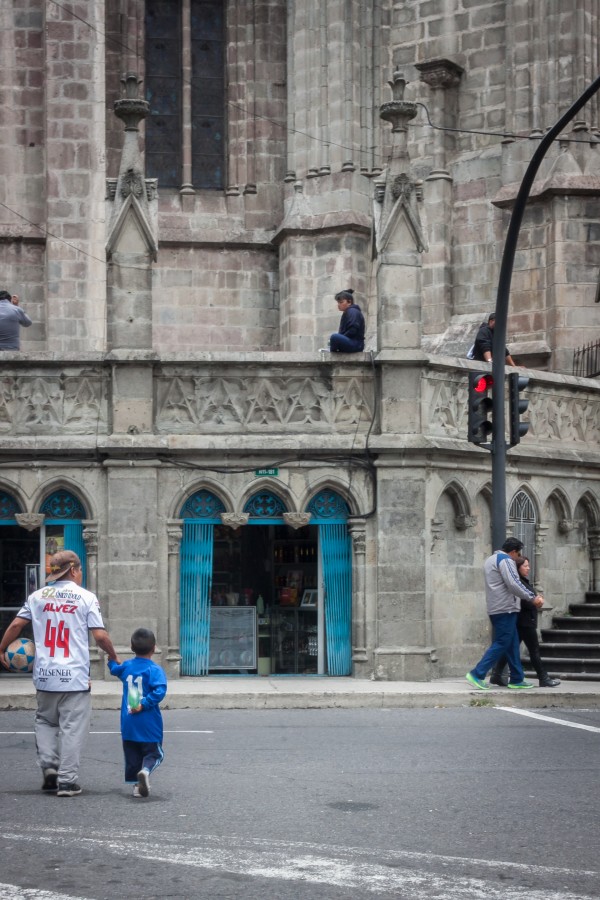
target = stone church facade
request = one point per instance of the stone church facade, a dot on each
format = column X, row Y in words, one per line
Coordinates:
column 184, row 188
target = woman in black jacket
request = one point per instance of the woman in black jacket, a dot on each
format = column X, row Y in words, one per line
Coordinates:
column 527, row 629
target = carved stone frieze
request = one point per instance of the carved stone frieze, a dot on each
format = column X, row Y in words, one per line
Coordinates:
column 553, row 415
column 42, row 404
column 30, row 521
column 90, row 538
column 230, row 403
column 234, row 520
column 296, row 519
column 565, row 417
column 462, row 522
column 132, row 182
column 440, row 73
column 174, row 535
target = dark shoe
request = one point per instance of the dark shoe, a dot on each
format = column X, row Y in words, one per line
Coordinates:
column 50, row 780
column 68, row 790
column 499, row 680
column 549, row 682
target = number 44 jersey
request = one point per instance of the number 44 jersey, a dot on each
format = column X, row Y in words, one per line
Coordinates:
column 61, row 615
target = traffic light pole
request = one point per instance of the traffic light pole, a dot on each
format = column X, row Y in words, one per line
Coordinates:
column 502, row 299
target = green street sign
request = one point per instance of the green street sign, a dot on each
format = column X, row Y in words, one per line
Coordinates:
column 258, row 473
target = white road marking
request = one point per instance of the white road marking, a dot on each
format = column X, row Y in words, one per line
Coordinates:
column 402, row 874
column 532, row 715
column 178, row 731
column 14, row 892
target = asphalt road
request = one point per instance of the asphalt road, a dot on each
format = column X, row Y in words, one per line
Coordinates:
column 452, row 804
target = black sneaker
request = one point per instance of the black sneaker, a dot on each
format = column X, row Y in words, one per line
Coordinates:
column 68, row 790
column 499, row 680
column 50, row 780
column 549, row 682
column 143, row 782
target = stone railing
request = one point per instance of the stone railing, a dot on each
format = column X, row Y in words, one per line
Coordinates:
column 421, row 401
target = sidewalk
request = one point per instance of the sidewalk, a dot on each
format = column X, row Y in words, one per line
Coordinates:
column 315, row 692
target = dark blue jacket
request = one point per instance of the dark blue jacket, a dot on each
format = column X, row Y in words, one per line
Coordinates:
column 352, row 323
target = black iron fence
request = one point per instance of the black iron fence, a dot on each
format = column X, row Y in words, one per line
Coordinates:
column 586, row 360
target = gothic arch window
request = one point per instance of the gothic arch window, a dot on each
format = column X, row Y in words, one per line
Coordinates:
column 185, row 87
column 264, row 507
column 523, row 520
column 202, row 505
column 9, row 507
column 63, row 525
column 327, row 506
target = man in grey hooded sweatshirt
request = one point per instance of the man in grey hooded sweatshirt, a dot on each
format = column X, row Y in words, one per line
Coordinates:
column 504, row 591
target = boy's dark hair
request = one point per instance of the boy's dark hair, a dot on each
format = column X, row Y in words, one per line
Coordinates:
column 143, row 641
column 511, row 544
column 345, row 295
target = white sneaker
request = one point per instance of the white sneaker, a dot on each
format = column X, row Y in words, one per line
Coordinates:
column 136, row 790
column 144, row 782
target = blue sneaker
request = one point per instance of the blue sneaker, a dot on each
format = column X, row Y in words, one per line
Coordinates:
column 520, row 686
column 477, row 682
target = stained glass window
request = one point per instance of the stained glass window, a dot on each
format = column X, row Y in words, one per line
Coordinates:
column 164, row 83
column 63, row 505
column 327, row 505
column 264, row 505
column 8, row 506
column 202, row 505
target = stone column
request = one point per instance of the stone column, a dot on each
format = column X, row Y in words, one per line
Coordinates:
column 443, row 77
column 132, row 560
column 332, row 152
column 131, row 245
column 174, row 535
column 75, row 105
column 90, row 539
column 399, row 237
column 357, row 528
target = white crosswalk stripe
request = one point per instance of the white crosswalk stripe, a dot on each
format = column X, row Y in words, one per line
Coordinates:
column 420, row 876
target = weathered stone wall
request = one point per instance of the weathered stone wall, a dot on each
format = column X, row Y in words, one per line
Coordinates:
column 420, row 518
column 216, row 298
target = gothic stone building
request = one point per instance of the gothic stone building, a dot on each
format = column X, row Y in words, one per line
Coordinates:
column 184, row 186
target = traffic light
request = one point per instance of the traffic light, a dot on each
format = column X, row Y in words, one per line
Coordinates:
column 517, row 406
column 479, row 424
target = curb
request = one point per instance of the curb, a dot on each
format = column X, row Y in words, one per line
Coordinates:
column 340, row 700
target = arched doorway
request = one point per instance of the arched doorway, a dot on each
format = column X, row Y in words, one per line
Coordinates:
column 329, row 512
column 63, row 526
column 265, row 592
column 19, row 560
column 200, row 514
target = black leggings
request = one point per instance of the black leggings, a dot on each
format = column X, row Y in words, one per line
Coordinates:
column 527, row 634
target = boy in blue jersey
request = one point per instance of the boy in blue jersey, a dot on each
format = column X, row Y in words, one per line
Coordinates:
column 144, row 686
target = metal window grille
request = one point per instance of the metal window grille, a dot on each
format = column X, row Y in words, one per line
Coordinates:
column 523, row 520
column 586, row 360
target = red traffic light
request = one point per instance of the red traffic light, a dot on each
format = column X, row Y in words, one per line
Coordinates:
column 483, row 384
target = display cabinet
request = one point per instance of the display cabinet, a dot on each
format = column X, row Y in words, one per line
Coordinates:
column 295, row 640
column 232, row 638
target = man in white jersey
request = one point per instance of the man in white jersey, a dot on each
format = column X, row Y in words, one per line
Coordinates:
column 61, row 614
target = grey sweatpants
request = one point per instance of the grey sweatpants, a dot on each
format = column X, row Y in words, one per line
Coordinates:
column 62, row 723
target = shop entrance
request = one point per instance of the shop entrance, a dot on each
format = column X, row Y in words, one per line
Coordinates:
column 19, row 565
column 265, row 614
column 263, row 597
